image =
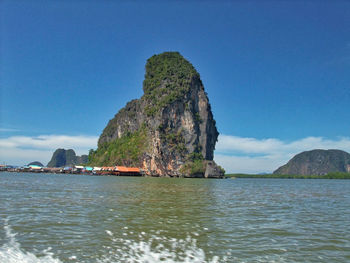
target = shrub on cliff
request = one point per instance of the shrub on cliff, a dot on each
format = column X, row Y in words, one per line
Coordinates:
column 193, row 168
column 126, row 150
column 167, row 79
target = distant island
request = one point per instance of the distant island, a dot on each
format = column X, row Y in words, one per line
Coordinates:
column 314, row 164
column 317, row 162
column 169, row 131
column 62, row 158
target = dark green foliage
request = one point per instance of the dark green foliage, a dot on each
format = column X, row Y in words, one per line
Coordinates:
column 195, row 164
column 91, row 155
column 194, row 167
column 128, row 112
column 335, row 175
column 194, row 156
column 197, row 118
column 126, row 150
column 168, row 78
column 222, row 169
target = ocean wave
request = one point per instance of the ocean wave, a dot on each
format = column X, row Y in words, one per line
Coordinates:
column 11, row 252
column 152, row 250
column 156, row 249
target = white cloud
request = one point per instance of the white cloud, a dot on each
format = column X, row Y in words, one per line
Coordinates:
column 19, row 150
column 247, row 164
column 251, row 155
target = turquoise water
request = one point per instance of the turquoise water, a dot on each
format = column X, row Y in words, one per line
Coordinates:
column 74, row 218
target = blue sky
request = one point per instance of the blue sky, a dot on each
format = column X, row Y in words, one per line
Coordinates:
column 275, row 71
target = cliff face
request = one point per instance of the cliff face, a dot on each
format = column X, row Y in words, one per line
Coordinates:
column 170, row 130
column 62, row 157
column 317, row 162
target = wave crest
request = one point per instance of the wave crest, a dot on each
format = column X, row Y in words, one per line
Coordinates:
column 11, row 252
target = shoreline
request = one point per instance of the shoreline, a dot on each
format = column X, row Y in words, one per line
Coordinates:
column 332, row 175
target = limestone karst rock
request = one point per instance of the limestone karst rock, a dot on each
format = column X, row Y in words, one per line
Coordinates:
column 170, row 130
column 317, row 162
column 62, row 157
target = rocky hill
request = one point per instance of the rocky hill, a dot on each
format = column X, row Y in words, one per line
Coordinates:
column 170, row 130
column 62, row 157
column 317, row 162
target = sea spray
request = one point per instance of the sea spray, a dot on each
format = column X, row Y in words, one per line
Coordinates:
column 156, row 249
column 150, row 250
column 11, row 251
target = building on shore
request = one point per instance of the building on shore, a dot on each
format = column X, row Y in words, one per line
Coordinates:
column 78, row 169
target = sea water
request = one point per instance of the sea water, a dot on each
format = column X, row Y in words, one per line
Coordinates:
column 76, row 218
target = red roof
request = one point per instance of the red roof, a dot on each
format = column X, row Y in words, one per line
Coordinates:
column 124, row 169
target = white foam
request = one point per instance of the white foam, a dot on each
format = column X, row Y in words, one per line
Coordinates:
column 11, row 252
column 155, row 249
column 180, row 250
column 109, row 233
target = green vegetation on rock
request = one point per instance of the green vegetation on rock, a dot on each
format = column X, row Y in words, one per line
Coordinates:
column 168, row 78
column 174, row 140
column 126, row 150
column 221, row 169
column 128, row 112
column 192, row 168
column 195, row 164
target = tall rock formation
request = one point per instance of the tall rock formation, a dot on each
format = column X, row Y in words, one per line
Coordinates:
column 317, row 162
column 170, row 130
column 62, row 157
